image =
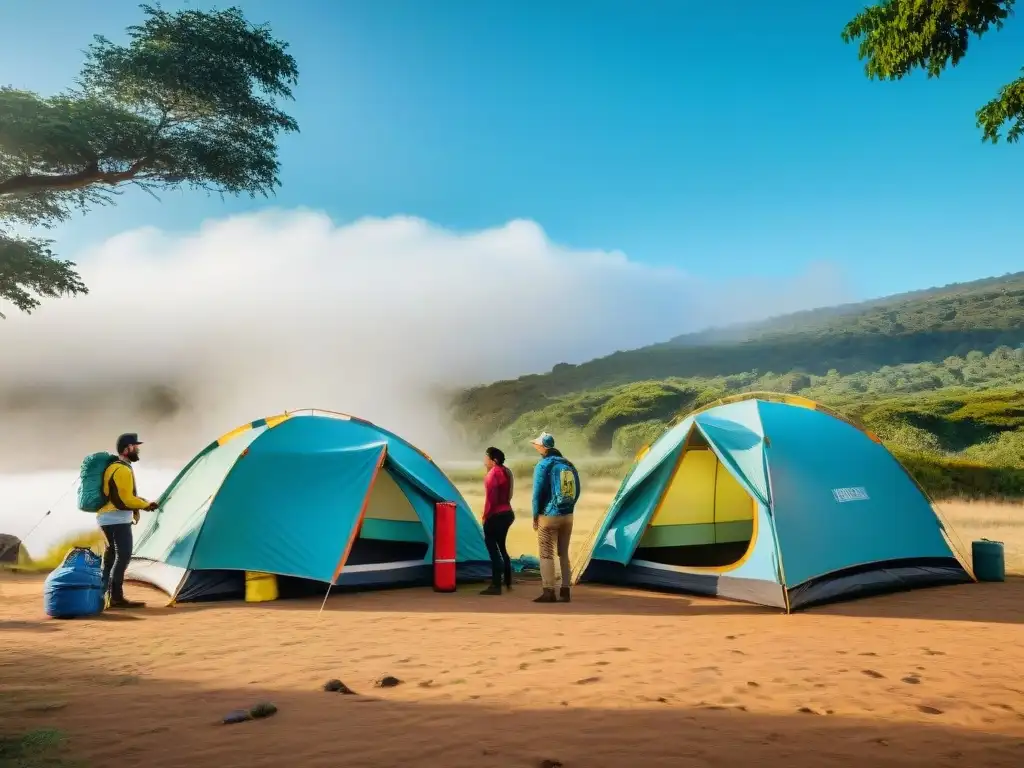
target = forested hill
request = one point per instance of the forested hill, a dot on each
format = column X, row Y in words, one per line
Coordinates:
column 924, row 326
column 814, row 318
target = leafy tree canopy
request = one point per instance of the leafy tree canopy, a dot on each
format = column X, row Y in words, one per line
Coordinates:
column 190, row 100
column 899, row 36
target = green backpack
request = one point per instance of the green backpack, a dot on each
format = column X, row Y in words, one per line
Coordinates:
column 91, row 493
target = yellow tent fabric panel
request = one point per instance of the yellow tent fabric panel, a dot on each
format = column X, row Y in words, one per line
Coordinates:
column 690, row 497
column 233, row 434
column 273, row 421
column 732, row 503
column 260, row 587
column 388, row 502
column 703, row 504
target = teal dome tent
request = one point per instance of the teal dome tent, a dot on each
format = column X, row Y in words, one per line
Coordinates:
column 312, row 497
column 774, row 500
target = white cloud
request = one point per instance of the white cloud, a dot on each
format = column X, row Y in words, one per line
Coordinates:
column 256, row 314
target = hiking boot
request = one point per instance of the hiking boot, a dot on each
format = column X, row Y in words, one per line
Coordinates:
column 494, row 589
column 547, row 596
column 124, row 604
column 563, row 595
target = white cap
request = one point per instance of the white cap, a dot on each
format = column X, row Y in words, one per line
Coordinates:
column 544, row 440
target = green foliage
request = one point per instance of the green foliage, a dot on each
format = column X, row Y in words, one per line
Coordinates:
column 944, row 477
column 898, row 36
column 631, row 438
column 28, row 268
column 911, row 406
column 1004, row 450
column 965, row 440
column 966, row 335
column 646, row 401
column 190, row 100
column 35, row 749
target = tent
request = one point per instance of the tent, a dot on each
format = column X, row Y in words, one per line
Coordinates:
column 314, row 498
column 773, row 500
column 12, row 551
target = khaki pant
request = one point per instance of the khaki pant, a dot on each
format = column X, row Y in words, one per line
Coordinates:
column 553, row 534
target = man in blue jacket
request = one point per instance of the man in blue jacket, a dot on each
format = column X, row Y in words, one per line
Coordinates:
column 556, row 489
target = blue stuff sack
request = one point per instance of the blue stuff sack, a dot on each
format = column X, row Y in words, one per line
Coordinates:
column 75, row 588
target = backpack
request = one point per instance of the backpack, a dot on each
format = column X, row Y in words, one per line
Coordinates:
column 564, row 488
column 91, row 493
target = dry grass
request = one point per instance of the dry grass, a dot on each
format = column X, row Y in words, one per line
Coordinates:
column 55, row 555
column 597, row 495
column 996, row 520
column 971, row 520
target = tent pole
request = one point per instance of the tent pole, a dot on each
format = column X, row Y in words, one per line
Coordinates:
column 324, row 603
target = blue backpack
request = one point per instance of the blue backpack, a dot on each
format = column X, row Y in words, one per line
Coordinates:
column 91, row 493
column 564, row 485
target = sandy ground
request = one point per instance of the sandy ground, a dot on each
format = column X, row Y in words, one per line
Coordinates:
column 624, row 678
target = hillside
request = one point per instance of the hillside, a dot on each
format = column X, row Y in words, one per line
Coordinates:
column 923, row 341
column 963, row 439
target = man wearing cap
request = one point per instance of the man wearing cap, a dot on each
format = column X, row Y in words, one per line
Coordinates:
column 117, row 517
column 556, row 489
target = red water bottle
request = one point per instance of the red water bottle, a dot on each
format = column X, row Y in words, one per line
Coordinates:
column 444, row 546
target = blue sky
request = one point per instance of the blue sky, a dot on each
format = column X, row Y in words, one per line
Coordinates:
column 681, row 133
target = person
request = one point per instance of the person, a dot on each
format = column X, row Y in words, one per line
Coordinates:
column 498, row 518
column 116, row 518
column 556, row 489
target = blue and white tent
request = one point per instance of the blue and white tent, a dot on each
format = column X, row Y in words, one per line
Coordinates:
column 311, row 497
column 772, row 500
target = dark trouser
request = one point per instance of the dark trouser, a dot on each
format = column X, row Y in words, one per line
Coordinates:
column 495, row 532
column 116, row 557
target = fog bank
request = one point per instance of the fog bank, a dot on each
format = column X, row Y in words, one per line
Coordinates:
column 186, row 335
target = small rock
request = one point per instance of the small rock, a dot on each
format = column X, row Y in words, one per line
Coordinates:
column 549, row 764
column 912, row 680
column 238, row 716
column 336, row 686
column 928, row 710
column 263, row 709
column 806, row 711
column 387, row 682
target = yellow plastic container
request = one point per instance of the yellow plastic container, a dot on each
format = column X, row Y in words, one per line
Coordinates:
column 260, row 587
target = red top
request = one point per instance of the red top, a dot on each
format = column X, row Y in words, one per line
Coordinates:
column 498, row 491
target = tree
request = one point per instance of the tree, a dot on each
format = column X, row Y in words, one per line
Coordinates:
column 190, row 101
column 898, row 36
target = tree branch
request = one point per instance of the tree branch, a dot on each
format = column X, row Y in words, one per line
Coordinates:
column 26, row 184
column 29, row 269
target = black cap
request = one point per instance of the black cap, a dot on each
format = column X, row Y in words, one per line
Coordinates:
column 129, row 438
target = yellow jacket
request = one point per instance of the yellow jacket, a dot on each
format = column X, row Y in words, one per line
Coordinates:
column 119, row 485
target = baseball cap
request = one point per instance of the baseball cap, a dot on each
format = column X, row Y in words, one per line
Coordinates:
column 128, row 438
column 545, row 440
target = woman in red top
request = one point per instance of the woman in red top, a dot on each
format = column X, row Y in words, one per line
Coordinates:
column 498, row 518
